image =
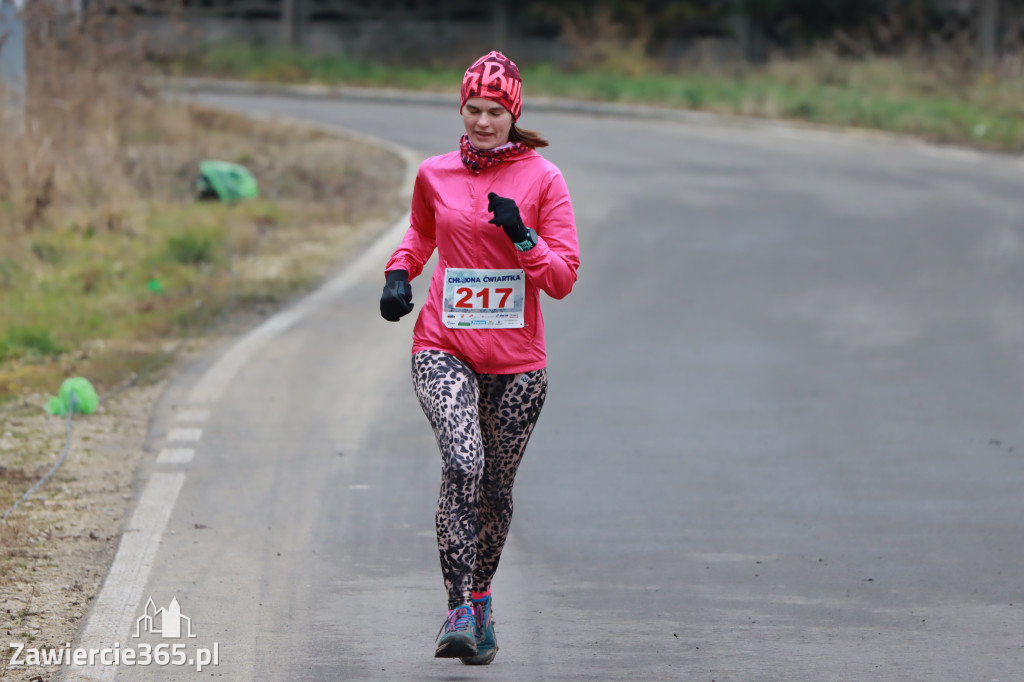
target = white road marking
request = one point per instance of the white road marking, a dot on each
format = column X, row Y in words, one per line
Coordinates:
column 189, row 435
column 117, row 605
column 192, row 415
column 175, row 456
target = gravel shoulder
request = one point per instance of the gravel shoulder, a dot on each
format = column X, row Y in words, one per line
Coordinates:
column 58, row 544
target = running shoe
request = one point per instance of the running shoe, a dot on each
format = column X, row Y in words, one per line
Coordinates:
column 457, row 638
column 486, row 643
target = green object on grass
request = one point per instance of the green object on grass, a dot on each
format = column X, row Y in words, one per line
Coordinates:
column 155, row 286
column 228, row 182
column 85, row 399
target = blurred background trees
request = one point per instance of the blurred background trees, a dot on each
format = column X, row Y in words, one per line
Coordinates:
column 622, row 34
column 752, row 30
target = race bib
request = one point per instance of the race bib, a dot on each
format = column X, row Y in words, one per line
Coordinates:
column 483, row 299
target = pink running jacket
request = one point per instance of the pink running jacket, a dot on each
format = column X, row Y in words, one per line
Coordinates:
column 449, row 213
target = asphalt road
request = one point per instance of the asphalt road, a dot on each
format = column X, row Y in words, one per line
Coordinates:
column 783, row 439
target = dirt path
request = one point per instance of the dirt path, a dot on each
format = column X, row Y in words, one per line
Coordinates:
column 59, row 543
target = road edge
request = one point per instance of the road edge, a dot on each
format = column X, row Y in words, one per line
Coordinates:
column 115, row 606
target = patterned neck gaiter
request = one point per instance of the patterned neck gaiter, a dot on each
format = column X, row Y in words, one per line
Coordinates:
column 476, row 160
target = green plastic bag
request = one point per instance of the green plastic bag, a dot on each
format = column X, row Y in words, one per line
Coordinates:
column 86, row 400
column 226, row 181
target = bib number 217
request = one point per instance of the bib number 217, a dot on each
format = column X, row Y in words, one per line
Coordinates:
column 468, row 298
column 483, row 299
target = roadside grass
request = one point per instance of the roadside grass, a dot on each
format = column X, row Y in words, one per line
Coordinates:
column 933, row 99
column 105, row 302
column 282, row 65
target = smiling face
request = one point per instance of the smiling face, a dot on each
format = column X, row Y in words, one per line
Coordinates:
column 487, row 122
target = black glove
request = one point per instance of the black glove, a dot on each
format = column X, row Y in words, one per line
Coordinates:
column 396, row 300
column 506, row 216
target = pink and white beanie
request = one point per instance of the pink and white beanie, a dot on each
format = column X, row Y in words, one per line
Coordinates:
column 495, row 77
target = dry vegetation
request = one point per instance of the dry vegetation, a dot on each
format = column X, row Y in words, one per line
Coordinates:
column 105, row 253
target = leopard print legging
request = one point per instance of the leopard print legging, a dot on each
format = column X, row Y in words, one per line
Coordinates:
column 482, row 423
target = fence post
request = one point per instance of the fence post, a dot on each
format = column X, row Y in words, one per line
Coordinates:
column 988, row 33
column 750, row 35
column 290, row 19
